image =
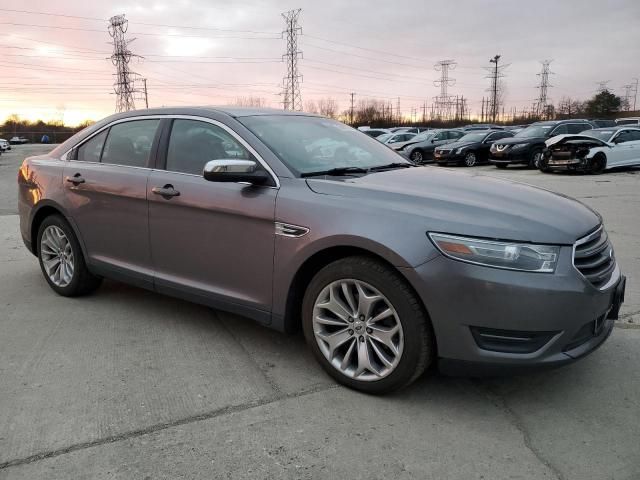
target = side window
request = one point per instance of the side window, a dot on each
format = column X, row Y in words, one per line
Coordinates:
column 578, row 127
column 454, row 135
column 559, row 130
column 503, row 135
column 129, row 143
column 193, row 143
column 634, row 135
column 90, row 150
column 623, row 136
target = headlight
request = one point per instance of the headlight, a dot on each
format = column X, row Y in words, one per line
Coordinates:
column 519, row 145
column 508, row 255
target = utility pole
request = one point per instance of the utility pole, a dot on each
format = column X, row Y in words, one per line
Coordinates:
column 443, row 101
column 352, row 97
column 398, row 111
column 494, row 88
column 626, row 100
column 123, row 85
column 542, row 102
column 482, row 114
column 635, row 94
column 424, row 111
column 291, row 82
column 146, row 97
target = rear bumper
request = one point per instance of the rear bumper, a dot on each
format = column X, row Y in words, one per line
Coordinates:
column 573, row 317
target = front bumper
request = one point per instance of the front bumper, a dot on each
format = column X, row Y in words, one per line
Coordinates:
column 508, row 157
column 463, row 299
column 574, row 164
column 449, row 157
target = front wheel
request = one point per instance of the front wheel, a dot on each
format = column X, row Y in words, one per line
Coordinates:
column 598, row 164
column 535, row 158
column 417, row 156
column 61, row 259
column 366, row 326
column 470, row 159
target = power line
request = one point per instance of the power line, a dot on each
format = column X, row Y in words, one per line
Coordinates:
column 291, row 82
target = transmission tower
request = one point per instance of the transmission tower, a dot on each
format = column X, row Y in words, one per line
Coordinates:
column 603, row 86
column 443, row 102
column 291, row 83
column 542, row 102
column 628, row 95
column 123, row 85
column 495, row 76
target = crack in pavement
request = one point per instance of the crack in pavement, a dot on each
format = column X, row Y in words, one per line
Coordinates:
column 500, row 402
column 163, row 426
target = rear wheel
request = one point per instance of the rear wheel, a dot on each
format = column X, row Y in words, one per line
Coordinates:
column 535, row 157
column 366, row 326
column 61, row 259
column 598, row 164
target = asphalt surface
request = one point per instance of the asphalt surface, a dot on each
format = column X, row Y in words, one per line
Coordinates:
column 127, row 384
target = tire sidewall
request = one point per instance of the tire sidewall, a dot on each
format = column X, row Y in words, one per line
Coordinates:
column 413, row 328
column 78, row 257
column 602, row 161
column 532, row 157
column 468, row 156
column 416, row 160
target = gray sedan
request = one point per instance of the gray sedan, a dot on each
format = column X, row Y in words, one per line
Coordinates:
column 298, row 221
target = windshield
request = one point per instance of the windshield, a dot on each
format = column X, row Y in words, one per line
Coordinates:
column 603, row 135
column 423, row 136
column 472, row 137
column 384, row 137
column 535, row 131
column 313, row 144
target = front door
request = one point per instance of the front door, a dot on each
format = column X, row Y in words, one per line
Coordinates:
column 211, row 241
column 106, row 197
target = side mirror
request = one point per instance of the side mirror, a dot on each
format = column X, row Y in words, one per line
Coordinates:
column 233, row 170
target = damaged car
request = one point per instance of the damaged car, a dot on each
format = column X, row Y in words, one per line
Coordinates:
column 593, row 151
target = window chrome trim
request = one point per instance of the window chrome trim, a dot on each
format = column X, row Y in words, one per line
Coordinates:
column 217, row 123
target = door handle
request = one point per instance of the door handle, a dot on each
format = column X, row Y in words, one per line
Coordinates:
column 167, row 191
column 76, row 179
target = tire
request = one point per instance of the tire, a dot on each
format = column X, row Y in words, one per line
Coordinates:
column 417, row 156
column 412, row 338
column 68, row 282
column 470, row 159
column 501, row 165
column 598, row 164
column 534, row 158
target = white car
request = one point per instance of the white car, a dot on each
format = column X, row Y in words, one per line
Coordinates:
column 594, row 150
column 396, row 140
column 4, row 145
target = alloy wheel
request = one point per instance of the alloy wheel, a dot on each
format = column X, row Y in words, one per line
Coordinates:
column 470, row 159
column 57, row 256
column 357, row 330
column 417, row 156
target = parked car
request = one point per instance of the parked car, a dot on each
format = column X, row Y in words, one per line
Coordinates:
column 388, row 269
column 482, row 126
column 471, row 149
column 375, row 132
column 421, row 152
column 593, row 151
column 18, row 140
column 396, row 140
column 599, row 123
column 415, row 130
column 4, row 145
column 527, row 145
column 628, row 121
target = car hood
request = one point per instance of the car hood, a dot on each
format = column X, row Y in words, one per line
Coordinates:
column 468, row 204
column 455, row 145
column 424, row 144
column 582, row 139
column 514, row 140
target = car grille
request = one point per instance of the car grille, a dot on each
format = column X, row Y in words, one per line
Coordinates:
column 593, row 257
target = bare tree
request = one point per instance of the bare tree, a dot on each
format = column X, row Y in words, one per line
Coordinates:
column 251, row 101
column 328, row 107
column 310, row 107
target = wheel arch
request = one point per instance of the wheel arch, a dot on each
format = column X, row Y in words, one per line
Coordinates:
column 45, row 209
column 311, row 266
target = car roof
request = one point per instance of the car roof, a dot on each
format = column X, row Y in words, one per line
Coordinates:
column 615, row 128
column 232, row 111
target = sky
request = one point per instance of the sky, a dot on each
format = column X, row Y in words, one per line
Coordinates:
column 54, row 61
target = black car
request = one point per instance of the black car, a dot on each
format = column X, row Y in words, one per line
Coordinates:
column 527, row 145
column 471, row 149
column 421, row 147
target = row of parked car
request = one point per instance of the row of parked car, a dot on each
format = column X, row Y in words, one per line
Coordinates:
column 575, row 144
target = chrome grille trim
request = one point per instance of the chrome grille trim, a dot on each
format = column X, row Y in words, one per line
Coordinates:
column 596, row 263
column 288, row 230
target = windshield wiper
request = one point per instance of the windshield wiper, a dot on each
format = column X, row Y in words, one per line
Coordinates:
column 392, row 165
column 336, row 171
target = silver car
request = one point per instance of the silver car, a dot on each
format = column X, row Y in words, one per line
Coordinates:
column 298, row 221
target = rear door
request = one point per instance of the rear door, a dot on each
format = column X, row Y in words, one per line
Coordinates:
column 106, row 197
column 624, row 150
column 211, row 241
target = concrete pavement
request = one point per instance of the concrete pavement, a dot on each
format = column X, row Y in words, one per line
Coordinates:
column 126, row 384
